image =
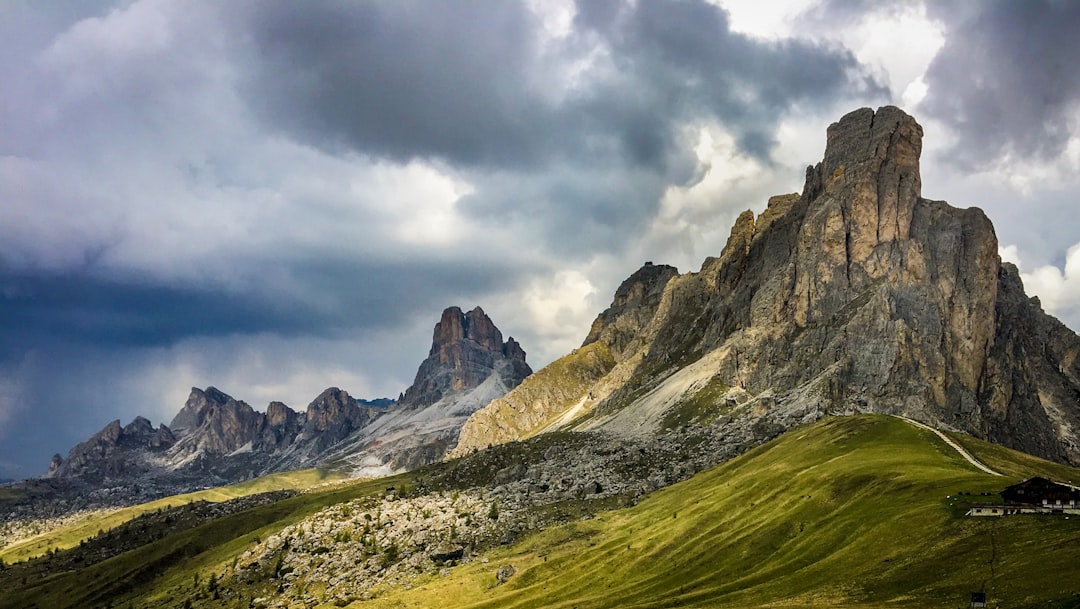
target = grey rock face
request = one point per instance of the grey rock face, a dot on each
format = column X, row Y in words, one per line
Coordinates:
column 859, row 295
column 216, row 439
column 466, row 349
column 334, row 415
column 634, row 305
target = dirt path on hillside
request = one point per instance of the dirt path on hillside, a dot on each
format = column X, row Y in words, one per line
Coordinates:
column 960, row 449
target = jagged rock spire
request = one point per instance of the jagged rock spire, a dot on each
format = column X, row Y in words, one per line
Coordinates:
column 465, row 349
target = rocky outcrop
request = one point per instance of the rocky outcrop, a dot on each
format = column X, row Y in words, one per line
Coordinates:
column 465, row 351
column 859, row 295
column 216, row 439
column 214, row 423
column 635, row 303
column 467, row 367
column 333, row 416
column 114, row 451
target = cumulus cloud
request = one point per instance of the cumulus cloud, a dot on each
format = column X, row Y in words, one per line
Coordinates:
column 257, row 194
column 1005, row 79
column 1058, row 287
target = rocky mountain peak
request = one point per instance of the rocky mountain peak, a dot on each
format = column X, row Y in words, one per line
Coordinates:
column 857, row 295
column 456, row 326
column 139, row 426
column 198, row 404
column 512, row 350
column 871, row 166
column 633, row 306
column 278, row 414
column 465, row 349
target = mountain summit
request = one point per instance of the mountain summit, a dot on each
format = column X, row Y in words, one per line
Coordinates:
column 857, row 295
column 466, row 349
column 216, row 439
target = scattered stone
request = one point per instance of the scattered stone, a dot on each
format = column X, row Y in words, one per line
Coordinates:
column 504, row 573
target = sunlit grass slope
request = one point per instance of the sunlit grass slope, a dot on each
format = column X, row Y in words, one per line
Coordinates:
column 70, row 536
column 853, row 512
column 158, row 573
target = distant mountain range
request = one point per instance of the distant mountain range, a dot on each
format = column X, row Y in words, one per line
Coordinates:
column 857, row 295
column 216, row 439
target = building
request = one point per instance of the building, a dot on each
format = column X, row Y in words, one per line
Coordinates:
column 1032, row 496
column 1042, row 493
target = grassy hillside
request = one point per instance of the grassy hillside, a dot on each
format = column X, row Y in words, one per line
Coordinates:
column 851, row 512
column 158, row 573
column 857, row 512
column 70, row 536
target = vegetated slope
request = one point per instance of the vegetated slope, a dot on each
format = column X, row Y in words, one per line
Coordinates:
column 149, row 575
column 851, row 511
column 85, row 526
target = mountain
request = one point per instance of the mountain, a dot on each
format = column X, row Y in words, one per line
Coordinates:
column 468, row 366
column 857, row 295
column 216, row 439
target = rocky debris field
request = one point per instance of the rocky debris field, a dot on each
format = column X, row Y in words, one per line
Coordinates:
column 344, row 552
column 457, row 510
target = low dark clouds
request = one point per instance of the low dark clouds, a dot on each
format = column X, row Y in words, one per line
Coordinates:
column 402, row 79
column 186, row 183
column 478, row 83
column 1006, row 79
column 317, row 298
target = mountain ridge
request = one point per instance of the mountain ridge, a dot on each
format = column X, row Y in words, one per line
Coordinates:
column 857, row 295
column 215, row 438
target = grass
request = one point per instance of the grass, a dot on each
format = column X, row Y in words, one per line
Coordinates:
column 71, row 535
column 162, row 572
column 1013, row 463
column 849, row 512
column 856, row 512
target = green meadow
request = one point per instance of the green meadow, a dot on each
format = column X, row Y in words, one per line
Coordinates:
column 864, row 511
column 71, row 535
column 861, row 511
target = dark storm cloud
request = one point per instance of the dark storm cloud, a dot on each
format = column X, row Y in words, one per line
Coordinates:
column 476, row 83
column 1007, row 78
column 122, row 312
column 401, row 79
column 585, row 131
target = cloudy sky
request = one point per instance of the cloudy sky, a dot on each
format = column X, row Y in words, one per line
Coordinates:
column 275, row 197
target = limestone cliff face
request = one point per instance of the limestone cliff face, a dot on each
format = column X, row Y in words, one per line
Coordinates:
column 332, row 416
column 856, row 295
column 619, row 326
column 466, row 349
column 213, row 422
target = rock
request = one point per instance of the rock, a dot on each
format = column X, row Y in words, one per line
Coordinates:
column 466, row 349
column 447, row 552
column 504, row 573
column 631, row 309
column 215, row 439
column 332, row 416
column 858, row 295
